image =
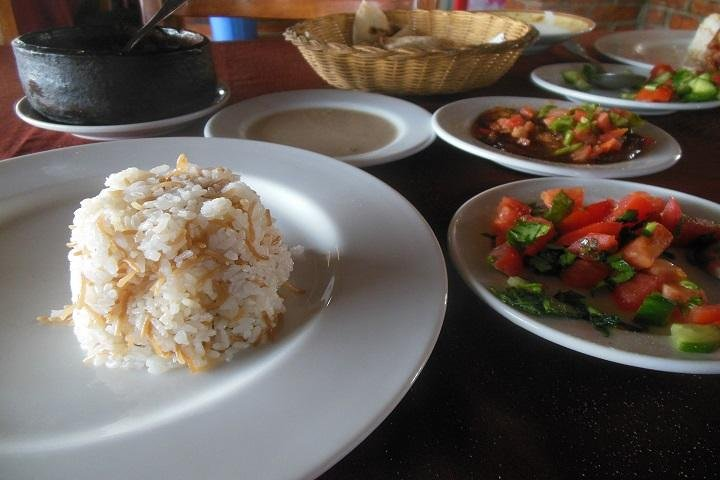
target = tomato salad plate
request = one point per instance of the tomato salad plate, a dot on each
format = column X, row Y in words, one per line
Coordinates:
column 565, row 139
column 642, row 294
column 550, row 77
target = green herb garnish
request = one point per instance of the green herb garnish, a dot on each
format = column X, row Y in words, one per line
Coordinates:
column 523, row 233
column 562, row 204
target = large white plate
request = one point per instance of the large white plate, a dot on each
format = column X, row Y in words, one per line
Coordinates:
column 646, row 48
column 120, row 132
column 412, row 122
column 549, row 77
column 453, row 121
column 469, row 250
column 348, row 350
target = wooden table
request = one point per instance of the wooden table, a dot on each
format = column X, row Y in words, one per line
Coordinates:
column 494, row 401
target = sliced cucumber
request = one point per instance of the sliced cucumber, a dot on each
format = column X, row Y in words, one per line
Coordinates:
column 695, row 338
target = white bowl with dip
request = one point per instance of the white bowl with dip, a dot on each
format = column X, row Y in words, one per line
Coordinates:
column 554, row 27
column 359, row 128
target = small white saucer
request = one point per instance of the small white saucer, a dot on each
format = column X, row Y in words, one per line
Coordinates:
column 118, row 132
column 414, row 131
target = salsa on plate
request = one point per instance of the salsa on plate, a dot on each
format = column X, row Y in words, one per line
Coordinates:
column 584, row 134
column 620, row 246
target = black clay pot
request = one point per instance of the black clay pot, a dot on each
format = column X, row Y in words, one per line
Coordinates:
column 78, row 75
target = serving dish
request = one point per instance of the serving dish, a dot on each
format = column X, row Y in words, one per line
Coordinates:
column 453, row 123
column 411, row 123
column 550, row 78
column 80, row 76
column 26, row 113
column 553, row 27
column 349, row 347
column 646, row 48
column 469, row 249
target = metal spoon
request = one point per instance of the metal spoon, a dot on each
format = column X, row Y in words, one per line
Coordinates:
column 601, row 78
column 165, row 11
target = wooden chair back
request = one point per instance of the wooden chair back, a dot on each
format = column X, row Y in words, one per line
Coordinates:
column 277, row 9
column 8, row 27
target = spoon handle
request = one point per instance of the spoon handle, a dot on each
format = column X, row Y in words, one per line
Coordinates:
column 165, row 11
column 574, row 47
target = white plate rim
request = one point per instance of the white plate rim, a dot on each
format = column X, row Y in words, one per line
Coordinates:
column 318, row 167
column 652, row 162
column 477, row 282
column 605, row 44
column 539, row 75
column 125, row 131
column 412, row 121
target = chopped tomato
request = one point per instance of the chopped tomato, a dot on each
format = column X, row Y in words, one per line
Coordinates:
column 681, row 295
column 576, row 194
column 604, row 122
column 593, row 213
column 716, row 78
column 614, row 133
column 579, row 114
column 539, row 242
column 582, row 154
column 642, row 251
column 505, row 258
column 645, row 206
column 671, row 214
column 609, row 145
column 609, row 228
column 659, row 69
column 662, row 93
column 666, row 271
column 508, row 211
column 584, row 273
column 593, row 244
column 630, row 295
column 704, row 314
column 511, row 122
column 527, row 112
column 690, row 229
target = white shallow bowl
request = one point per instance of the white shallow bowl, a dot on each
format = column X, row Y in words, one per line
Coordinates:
column 469, row 249
column 412, row 122
column 550, row 78
column 348, row 349
column 646, row 48
column 120, row 132
column 552, row 27
column 453, row 121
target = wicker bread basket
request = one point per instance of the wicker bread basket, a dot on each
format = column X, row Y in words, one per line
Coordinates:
column 326, row 44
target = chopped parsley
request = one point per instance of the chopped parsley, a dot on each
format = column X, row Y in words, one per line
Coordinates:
column 523, row 233
column 562, row 204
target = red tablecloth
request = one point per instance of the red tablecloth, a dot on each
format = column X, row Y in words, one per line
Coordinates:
column 248, row 68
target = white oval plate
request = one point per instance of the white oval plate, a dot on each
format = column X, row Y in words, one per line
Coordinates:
column 348, row 349
column 646, row 48
column 550, row 78
column 120, row 132
column 469, row 249
column 412, row 122
column 453, row 121
column 553, row 27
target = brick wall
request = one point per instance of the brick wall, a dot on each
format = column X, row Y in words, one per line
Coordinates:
column 627, row 14
column 683, row 14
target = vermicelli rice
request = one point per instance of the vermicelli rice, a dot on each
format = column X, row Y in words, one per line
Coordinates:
column 173, row 267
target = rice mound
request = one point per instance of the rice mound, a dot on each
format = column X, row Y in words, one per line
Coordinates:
column 174, row 267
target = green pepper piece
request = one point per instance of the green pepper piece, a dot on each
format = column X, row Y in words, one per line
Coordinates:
column 568, row 149
column 655, row 310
